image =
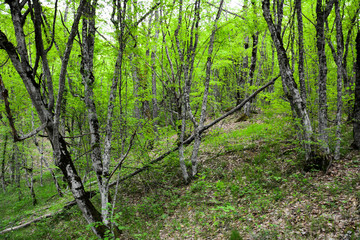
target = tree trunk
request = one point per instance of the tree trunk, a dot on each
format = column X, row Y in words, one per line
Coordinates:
column 301, row 50
column 3, row 164
column 30, row 182
column 322, row 15
column 290, row 87
column 197, row 142
column 340, row 73
column 153, row 77
column 43, row 160
column 62, row 156
column 255, row 38
column 356, row 119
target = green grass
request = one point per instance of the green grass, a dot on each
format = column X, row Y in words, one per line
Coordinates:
column 250, row 185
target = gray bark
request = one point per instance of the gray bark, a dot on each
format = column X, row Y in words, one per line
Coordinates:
column 356, row 119
column 88, row 78
column 301, row 50
column 183, row 108
column 30, row 182
column 346, row 48
column 322, row 15
column 255, row 38
column 201, row 131
column 118, row 20
column 135, row 78
column 20, row 60
column 153, row 69
column 194, row 160
column 289, row 84
column 3, row 164
column 340, row 71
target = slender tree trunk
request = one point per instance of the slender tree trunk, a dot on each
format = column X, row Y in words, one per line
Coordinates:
column 181, row 147
column 290, row 87
column 153, row 77
column 255, row 38
column 243, row 72
column 346, row 50
column 30, row 182
column 356, row 119
column 322, row 15
column 197, row 142
column 135, row 77
column 88, row 33
column 51, row 120
column 182, row 108
column 43, row 160
column 340, row 73
column 12, row 167
column 3, row 164
column 301, row 50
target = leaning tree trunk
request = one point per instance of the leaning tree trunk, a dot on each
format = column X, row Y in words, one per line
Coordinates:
column 200, row 125
column 101, row 168
column 356, row 119
column 49, row 119
column 289, row 84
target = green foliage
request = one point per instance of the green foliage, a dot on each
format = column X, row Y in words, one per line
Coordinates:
column 244, row 171
column 235, row 235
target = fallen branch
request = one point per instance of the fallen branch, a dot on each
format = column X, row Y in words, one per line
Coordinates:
column 191, row 138
column 48, row 215
column 28, row 223
column 158, row 159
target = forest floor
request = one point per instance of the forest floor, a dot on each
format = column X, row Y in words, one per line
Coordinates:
column 250, row 186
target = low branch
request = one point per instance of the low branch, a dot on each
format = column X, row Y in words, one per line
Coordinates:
column 123, row 157
column 191, row 138
column 186, row 142
column 48, row 215
column 147, row 14
column 32, row 133
column 4, row 94
column 30, row 222
column 227, row 11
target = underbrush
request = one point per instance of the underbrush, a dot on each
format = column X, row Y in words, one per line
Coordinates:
column 250, row 186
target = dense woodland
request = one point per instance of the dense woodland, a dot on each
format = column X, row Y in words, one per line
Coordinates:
column 124, row 114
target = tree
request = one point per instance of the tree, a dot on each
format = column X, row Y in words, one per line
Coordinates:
column 290, row 87
column 50, row 121
column 356, row 120
column 322, row 12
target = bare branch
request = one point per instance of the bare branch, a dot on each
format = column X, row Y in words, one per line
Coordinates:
column 192, row 137
column 123, row 157
column 147, row 14
column 53, row 30
column 227, row 11
column 5, row 95
column 32, row 133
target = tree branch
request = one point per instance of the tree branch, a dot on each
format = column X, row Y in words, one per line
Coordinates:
column 191, row 138
column 227, row 11
column 147, row 14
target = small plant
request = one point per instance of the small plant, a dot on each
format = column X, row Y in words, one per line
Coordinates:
column 235, row 235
